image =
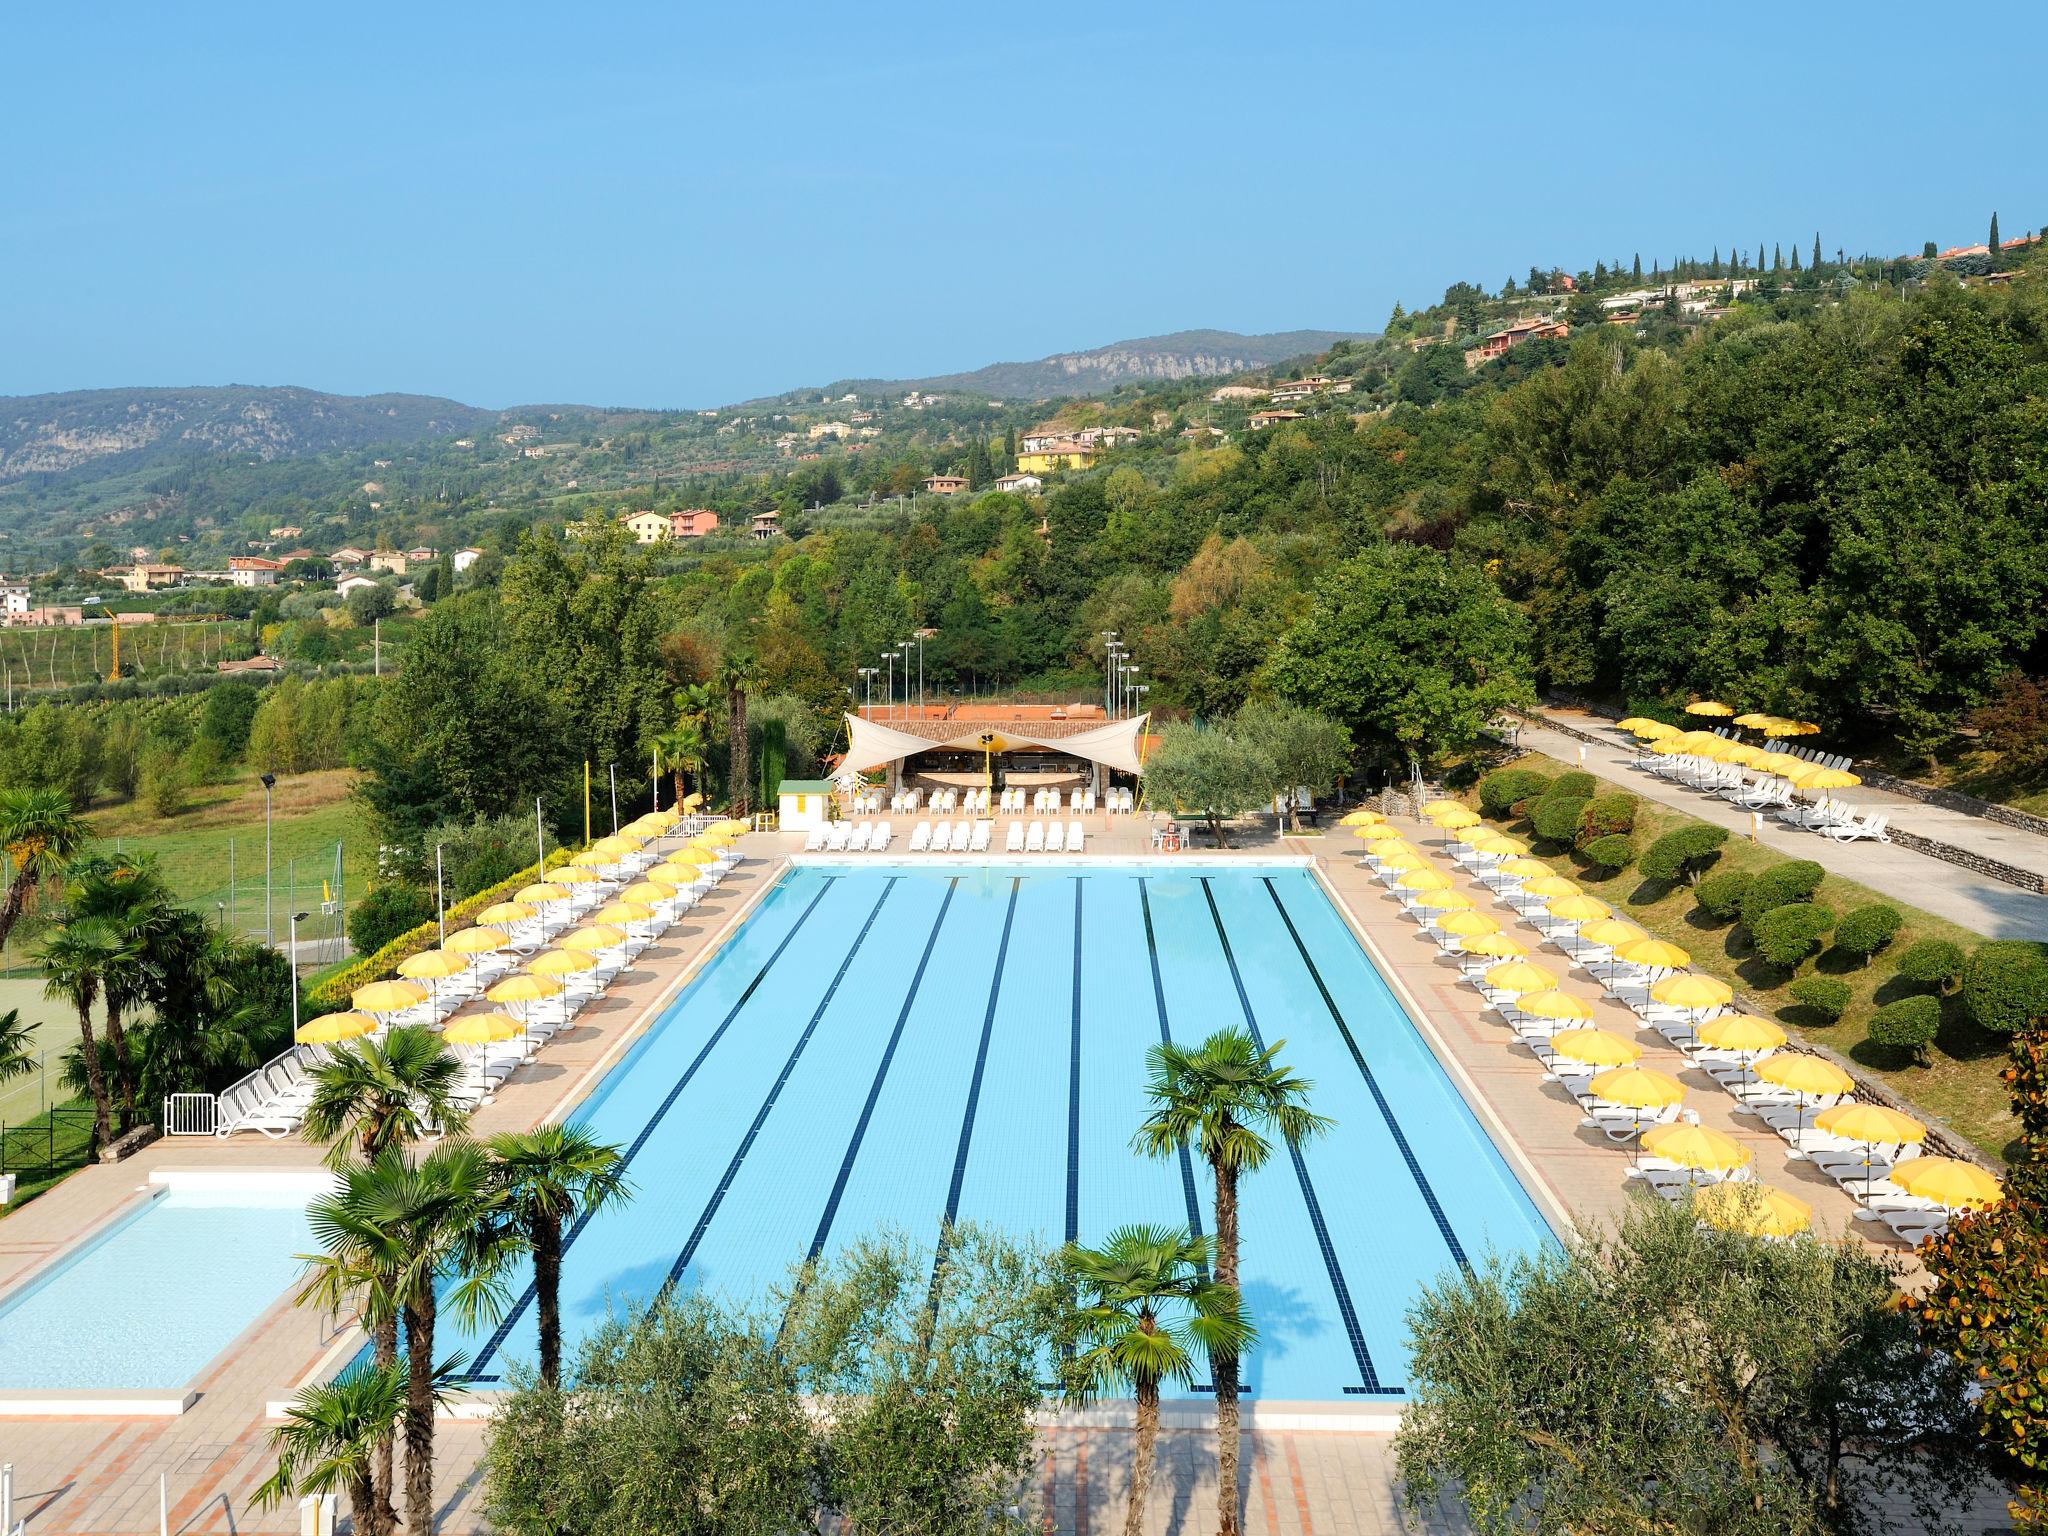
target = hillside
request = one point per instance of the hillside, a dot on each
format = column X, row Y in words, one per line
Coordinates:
column 1181, row 355
column 112, row 430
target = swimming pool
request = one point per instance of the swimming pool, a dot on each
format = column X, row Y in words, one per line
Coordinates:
column 903, row 1045
column 154, row 1296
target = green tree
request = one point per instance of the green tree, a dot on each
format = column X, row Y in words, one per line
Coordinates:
column 1792, row 1393
column 1146, row 1312
column 329, row 1438
column 41, row 835
column 18, row 1056
column 1202, row 771
column 1224, row 1099
column 1992, row 242
column 544, row 1178
column 1308, row 750
column 370, row 1098
column 1411, row 651
column 74, row 959
column 736, row 678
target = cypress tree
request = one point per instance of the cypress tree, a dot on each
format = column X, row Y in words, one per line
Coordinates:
column 1759, row 255
column 1777, row 258
column 1715, row 269
column 1795, row 258
column 1816, row 250
column 1636, row 273
column 1993, row 242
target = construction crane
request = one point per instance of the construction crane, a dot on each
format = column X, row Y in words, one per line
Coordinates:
column 114, row 672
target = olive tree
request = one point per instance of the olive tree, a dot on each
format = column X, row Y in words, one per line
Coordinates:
column 1199, row 770
column 1308, row 750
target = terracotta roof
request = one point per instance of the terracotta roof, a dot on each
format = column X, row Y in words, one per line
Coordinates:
column 935, row 723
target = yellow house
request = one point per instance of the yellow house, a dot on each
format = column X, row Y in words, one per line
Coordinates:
column 1052, row 456
column 648, row 527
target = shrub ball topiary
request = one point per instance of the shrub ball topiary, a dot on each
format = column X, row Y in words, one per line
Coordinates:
column 1719, row 896
column 1505, row 788
column 1786, row 935
column 1932, row 963
column 1609, row 853
column 1865, row 930
column 2006, row 984
column 1556, row 817
column 1779, row 886
column 1683, row 853
column 1825, row 997
column 1607, row 815
column 1908, row 1024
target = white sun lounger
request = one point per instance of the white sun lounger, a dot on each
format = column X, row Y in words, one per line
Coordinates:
column 963, row 833
column 1055, row 838
column 1074, row 834
column 983, row 831
column 921, row 837
column 880, row 841
column 815, row 840
column 1034, row 837
column 857, row 840
column 1013, row 840
column 835, row 841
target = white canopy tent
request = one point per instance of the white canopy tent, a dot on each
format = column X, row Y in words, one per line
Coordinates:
column 1111, row 745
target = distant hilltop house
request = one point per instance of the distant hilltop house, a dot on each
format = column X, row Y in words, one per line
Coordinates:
column 13, row 598
column 348, row 555
column 1304, row 389
column 253, row 571
column 288, row 531
column 355, row 583
column 1016, row 483
column 693, row 523
column 1052, row 454
column 945, row 485
column 465, row 558
column 391, row 560
column 829, row 429
column 18, row 610
column 518, row 435
column 421, row 555
column 861, row 418
column 764, row 525
column 151, row 578
column 1502, row 342
column 301, row 553
column 1260, row 420
column 648, row 527
column 2017, row 243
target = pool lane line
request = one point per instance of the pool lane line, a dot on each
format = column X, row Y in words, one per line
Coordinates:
column 739, row 1156
column 1443, row 1222
column 988, row 1024
column 1074, row 1082
column 526, row 1299
column 1187, row 1163
column 867, row 1111
column 1373, row 1387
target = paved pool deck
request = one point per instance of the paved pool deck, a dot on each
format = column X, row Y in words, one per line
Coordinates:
column 100, row 1475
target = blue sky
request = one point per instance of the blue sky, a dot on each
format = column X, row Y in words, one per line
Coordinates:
column 678, row 206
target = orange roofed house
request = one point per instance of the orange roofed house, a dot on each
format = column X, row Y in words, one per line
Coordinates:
column 1502, row 342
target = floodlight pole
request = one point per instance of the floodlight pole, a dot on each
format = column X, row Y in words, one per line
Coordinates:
column 295, row 973
column 613, row 770
column 269, row 921
column 440, row 902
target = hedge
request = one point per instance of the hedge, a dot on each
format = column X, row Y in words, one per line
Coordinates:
column 1556, row 817
column 1683, row 853
column 1786, row 935
column 1779, row 886
column 1863, row 931
column 1505, row 788
column 336, row 990
column 1932, row 963
column 1825, row 996
column 1577, row 784
column 2006, row 984
column 1608, row 815
column 1719, row 896
column 1908, row 1024
column 1610, row 852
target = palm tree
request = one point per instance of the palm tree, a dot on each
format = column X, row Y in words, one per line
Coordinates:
column 684, row 747
column 544, row 1178
column 736, row 675
column 1147, row 1310
column 17, row 1046
column 383, row 1096
column 73, row 960
column 133, row 901
column 41, row 835
column 392, row 1232
column 1224, row 1097
column 329, row 1439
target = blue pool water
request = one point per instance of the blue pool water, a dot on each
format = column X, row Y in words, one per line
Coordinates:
column 901, row 1045
column 158, row 1294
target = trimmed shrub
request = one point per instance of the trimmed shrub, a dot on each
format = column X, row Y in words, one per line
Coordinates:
column 1683, row 853
column 1825, row 997
column 1556, row 817
column 1610, row 852
column 1932, row 963
column 1865, row 930
column 1779, row 886
column 2006, row 984
column 1582, row 786
column 1786, row 935
column 1608, row 815
column 1505, row 788
column 1719, row 896
column 1908, row 1024
column 388, row 911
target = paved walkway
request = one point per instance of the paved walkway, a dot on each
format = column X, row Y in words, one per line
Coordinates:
column 1978, row 902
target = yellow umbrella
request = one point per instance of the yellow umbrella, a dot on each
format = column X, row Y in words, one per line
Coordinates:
column 506, row 912
column 1756, row 1210
column 1578, row 909
column 1437, row 807
column 1696, row 1146
column 1553, row 1005
column 1754, row 718
column 623, row 912
column 1362, row 818
column 595, row 937
column 1442, row 901
column 434, row 965
column 1520, row 977
column 524, row 988
column 571, row 874
column 1778, row 726
column 561, row 962
column 1673, row 745
column 1784, row 764
column 540, row 895
column 1873, row 1125
column 1655, row 953
column 1502, row 843
column 1473, row 833
column 618, row 842
column 1692, row 992
column 1708, row 707
column 1500, row 944
column 1817, row 777
column 1527, row 868
column 1405, row 860
column 1742, row 1033
column 1700, row 741
column 480, row 940
column 1611, row 931
column 1595, row 1047
column 1637, row 1088
column 1635, row 723
column 388, row 996
column 1740, row 752
column 331, row 1027
column 1468, row 925
column 1424, row 880
column 1550, row 885
column 692, row 800
column 1457, row 816
column 1655, row 730
column 1812, row 1076
column 1949, row 1181
column 648, row 891
column 590, row 858
column 482, row 1029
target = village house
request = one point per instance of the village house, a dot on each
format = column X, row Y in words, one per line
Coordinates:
column 356, row 583
column 1019, row 483
column 1260, row 420
column 520, row 434
column 820, row 429
column 693, row 523
column 13, row 599
column 348, row 555
column 421, row 555
column 764, row 525
column 253, row 571
column 151, row 578
column 945, row 485
column 1052, row 454
column 391, row 560
column 465, row 558
column 288, row 531
column 647, row 527
column 1502, row 342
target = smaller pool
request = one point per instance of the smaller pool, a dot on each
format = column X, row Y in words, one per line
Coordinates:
column 147, row 1302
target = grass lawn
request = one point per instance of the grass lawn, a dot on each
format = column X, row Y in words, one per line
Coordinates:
column 47, row 1149
column 1958, row 1084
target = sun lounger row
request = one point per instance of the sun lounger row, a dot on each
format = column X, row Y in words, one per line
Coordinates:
column 849, row 837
